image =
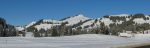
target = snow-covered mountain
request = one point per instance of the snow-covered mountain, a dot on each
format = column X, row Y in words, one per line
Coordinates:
column 30, row 24
column 119, row 19
column 85, row 22
column 75, row 19
column 48, row 23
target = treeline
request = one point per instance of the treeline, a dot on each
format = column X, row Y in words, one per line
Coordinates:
column 123, row 18
column 58, row 30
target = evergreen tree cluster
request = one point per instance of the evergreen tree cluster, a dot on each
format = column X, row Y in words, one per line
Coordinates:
column 6, row 29
column 130, row 25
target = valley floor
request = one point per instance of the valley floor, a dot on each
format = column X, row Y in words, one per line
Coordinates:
column 76, row 41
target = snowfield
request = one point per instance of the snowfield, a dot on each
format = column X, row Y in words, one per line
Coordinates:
column 76, row 41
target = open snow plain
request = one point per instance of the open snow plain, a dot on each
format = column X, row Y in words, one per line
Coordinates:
column 76, row 41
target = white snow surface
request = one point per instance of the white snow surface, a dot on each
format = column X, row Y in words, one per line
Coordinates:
column 141, row 21
column 50, row 20
column 107, row 21
column 29, row 34
column 127, row 19
column 30, row 24
column 71, row 21
column 45, row 26
column 76, row 19
column 19, row 28
column 76, row 41
column 87, row 23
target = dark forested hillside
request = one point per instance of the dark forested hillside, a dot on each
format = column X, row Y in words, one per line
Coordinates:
column 6, row 29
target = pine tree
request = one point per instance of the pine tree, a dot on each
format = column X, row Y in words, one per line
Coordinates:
column 36, row 33
column 103, row 28
column 79, row 30
column 63, row 28
column 54, row 32
column 95, row 20
column 42, row 32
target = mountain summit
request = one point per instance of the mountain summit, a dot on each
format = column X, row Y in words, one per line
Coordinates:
column 75, row 19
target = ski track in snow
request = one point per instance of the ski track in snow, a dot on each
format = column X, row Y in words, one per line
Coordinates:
column 76, row 41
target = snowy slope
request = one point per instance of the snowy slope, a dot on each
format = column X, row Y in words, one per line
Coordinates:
column 71, row 21
column 141, row 20
column 76, row 19
column 50, row 20
column 88, row 23
column 30, row 24
column 19, row 28
column 107, row 21
column 45, row 26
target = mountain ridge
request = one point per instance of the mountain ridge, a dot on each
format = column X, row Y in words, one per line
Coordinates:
column 88, row 22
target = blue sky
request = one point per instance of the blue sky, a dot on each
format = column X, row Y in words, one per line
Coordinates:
column 21, row 12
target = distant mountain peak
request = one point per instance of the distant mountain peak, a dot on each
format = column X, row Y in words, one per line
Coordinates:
column 30, row 24
column 76, row 19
